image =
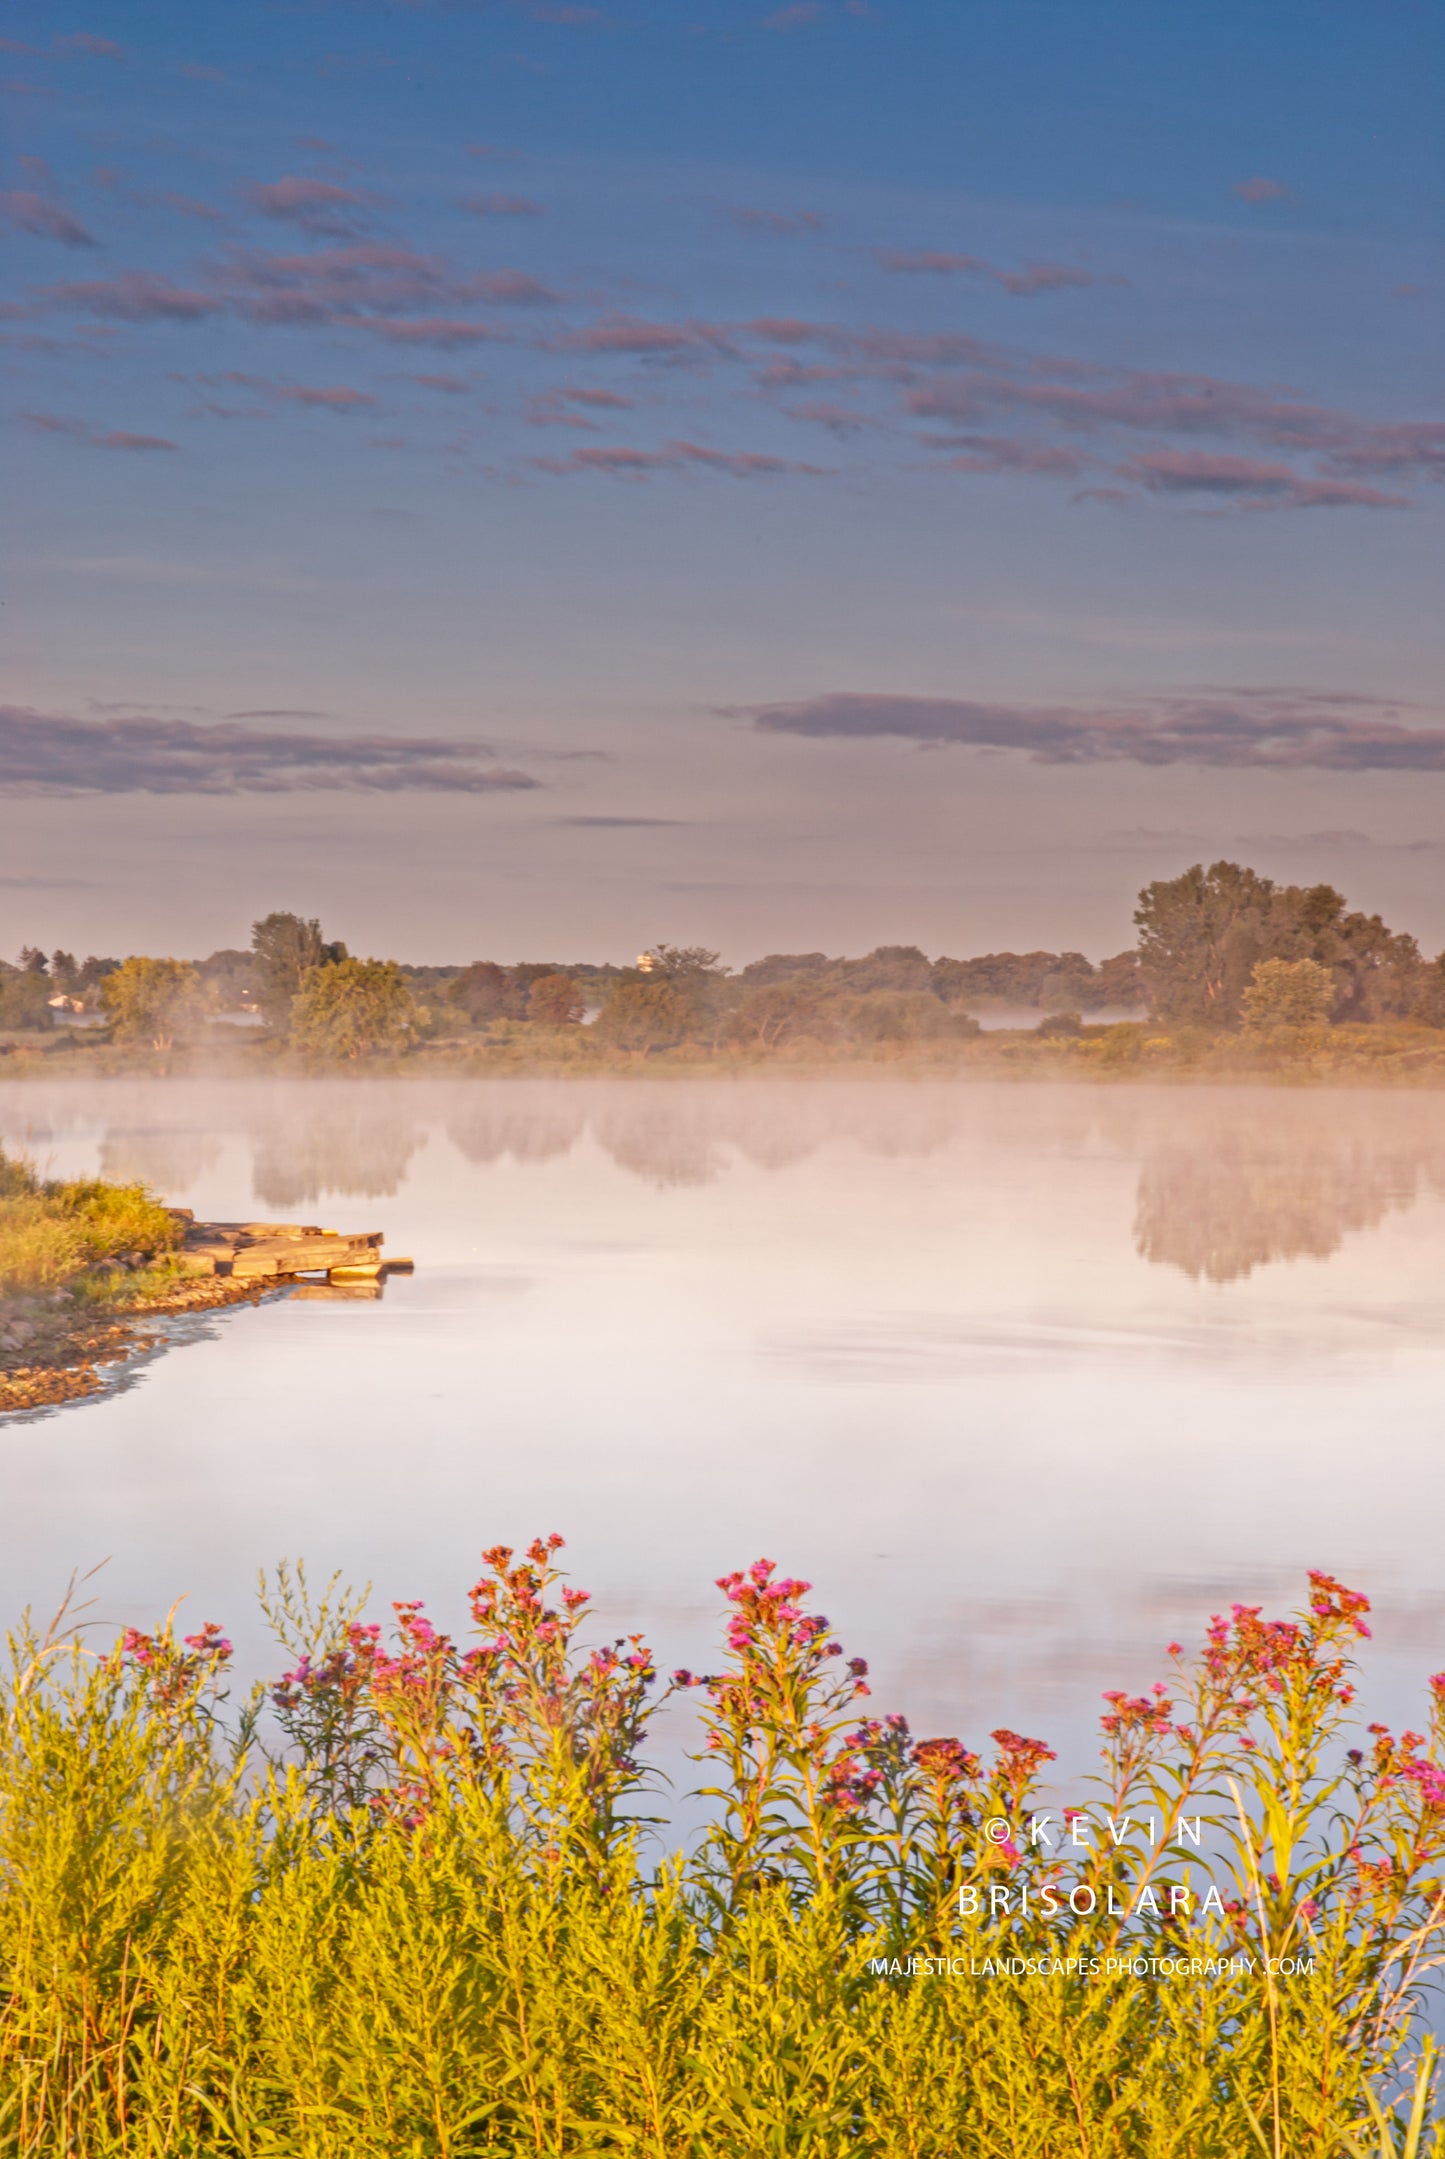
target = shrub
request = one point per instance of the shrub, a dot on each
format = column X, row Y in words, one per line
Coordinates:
column 645, row 1016
column 353, row 1008
column 1288, row 993
column 24, row 1000
column 555, row 1001
column 152, row 1000
column 51, row 1233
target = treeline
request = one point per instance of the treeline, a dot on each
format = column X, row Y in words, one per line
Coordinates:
column 1220, row 950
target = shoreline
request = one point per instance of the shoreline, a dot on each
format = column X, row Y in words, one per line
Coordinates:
column 81, row 1353
column 1394, row 1059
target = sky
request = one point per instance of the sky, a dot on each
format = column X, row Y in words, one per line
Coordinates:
column 520, row 479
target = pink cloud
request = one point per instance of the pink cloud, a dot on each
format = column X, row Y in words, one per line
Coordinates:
column 137, row 296
column 1251, row 480
column 798, row 16
column 367, row 280
column 447, row 332
column 626, row 463
column 626, row 334
column 187, row 206
column 317, row 206
column 1012, row 454
column 333, row 397
column 1035, row 277
column 451, row 385
column 122, row 439
column 44, row 216
column 604, row 400
column 51, row 423
column 95, row 48
column 617, row 460
column 1259, row 189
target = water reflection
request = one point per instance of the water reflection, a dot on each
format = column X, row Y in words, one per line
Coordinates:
column 1217, row 1211
column 353, row 1142
column 166, row 1161
column 540, row 1128
column 1023, row 1377
column 1227, row 1182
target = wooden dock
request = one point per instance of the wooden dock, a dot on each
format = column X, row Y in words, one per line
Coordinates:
column 283, row 1251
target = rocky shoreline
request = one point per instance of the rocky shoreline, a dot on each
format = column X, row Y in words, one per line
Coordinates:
column 54, row 1351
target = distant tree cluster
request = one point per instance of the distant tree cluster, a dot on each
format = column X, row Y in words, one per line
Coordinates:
column 1209, row 941
column 39, row 986
column 1219, row 949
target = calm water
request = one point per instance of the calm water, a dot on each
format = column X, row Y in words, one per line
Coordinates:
column 1026, row 1380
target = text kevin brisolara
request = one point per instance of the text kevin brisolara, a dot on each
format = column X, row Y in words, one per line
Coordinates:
column 1075, row 1830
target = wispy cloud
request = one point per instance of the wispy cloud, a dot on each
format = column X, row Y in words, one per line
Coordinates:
column 1287, row 730
column 627, row 334
column 46, row 753
column 1258, row 189
column 1027, row 283
column 73, row 45
column 316, row 206
column 136, row 296
column 1253, row 481
column 44, row 216
column 95, row 438
column 338, row 397
column 619, row 462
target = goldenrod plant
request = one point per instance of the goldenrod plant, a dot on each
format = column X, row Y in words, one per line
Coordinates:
column 412, row 1899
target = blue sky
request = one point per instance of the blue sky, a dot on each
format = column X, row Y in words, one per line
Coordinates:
column 535, row 479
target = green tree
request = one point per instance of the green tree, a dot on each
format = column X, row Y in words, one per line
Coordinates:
column 484, row 991
column 779, row 1012
column 287, row 947
column 24, row 1000
column 1288, row 993
column 1199, row 938
column 353, row 1008
column 1202, row 934
column 1428, row 1004
column 152, row 1000
column 555, row 1001
column 645, row 1016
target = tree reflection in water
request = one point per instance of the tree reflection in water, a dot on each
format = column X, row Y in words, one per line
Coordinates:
column 354, row 1141
column 1219, row 1208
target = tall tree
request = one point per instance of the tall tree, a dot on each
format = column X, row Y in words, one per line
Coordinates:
column 644, row 1016
column 152, row 1000
column 353, row 1008
column 1199, row 938
column 287, row 947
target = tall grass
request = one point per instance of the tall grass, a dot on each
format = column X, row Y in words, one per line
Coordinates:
column 54, row 1233
column 402, row 1902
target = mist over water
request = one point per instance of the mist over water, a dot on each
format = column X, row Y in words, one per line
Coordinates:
column 1026, row 1380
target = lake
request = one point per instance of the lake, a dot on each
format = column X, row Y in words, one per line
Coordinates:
column 1026, row 1380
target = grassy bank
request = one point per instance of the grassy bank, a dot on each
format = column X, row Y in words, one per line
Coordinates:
column 1380, row 1054
column 82, row 1264
column 400, row 1902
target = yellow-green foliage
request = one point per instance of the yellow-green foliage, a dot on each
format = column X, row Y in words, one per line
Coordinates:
column 52, row 1233
column 423, row 1923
